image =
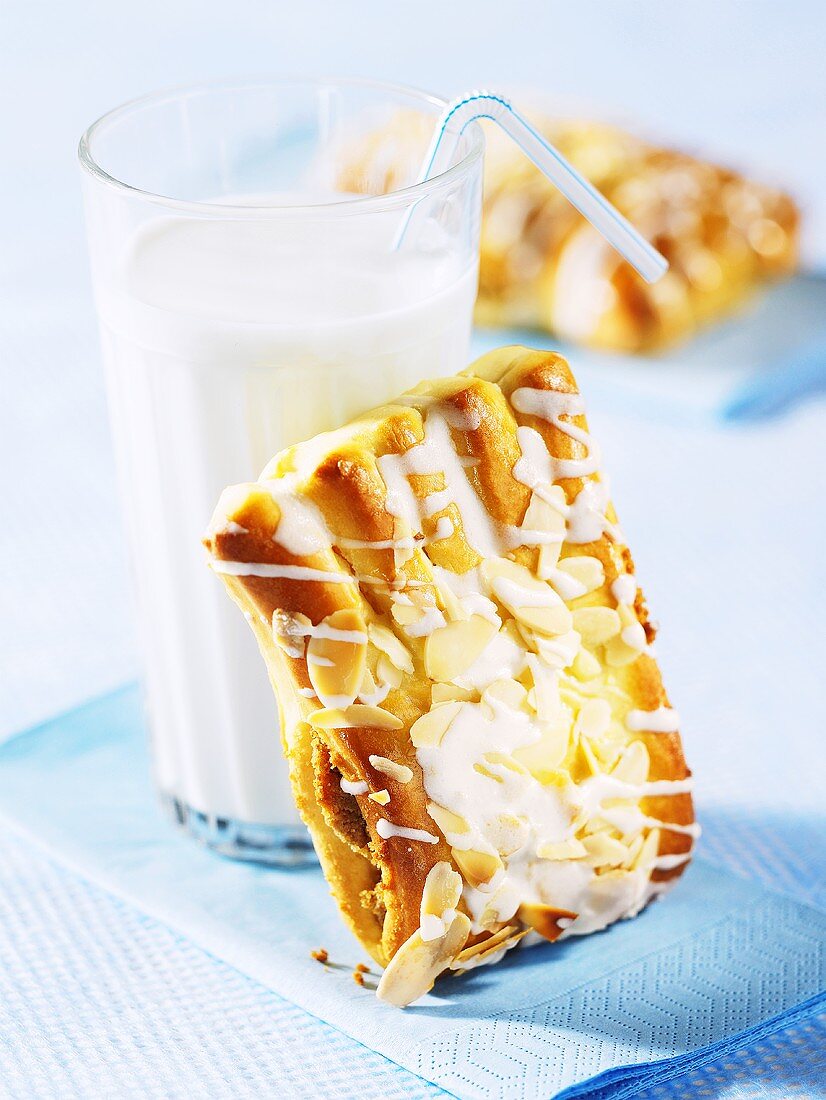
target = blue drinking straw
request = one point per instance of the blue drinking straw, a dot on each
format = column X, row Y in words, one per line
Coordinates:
column 616, row 229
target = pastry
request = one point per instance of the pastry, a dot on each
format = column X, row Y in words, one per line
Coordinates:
column 478, row 735
column 543, row 265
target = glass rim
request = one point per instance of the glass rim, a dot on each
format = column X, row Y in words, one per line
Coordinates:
column 358, row 204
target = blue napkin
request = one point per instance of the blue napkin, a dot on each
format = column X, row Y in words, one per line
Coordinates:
column 720, row 955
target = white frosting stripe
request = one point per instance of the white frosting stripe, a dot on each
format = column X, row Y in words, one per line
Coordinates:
column 661, row 720
column 386, row 829
column 287, row 572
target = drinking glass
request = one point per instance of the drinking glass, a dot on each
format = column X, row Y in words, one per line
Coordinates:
column 246, row 301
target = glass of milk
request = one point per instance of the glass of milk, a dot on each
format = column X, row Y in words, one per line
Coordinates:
column 246, row 303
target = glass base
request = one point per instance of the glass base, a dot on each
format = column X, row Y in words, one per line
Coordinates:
column 273, row 845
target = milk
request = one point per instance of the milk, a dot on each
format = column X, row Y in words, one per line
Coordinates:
column 224, row 342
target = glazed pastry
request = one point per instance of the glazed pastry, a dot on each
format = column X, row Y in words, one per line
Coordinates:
column 542, row 265
column 478, row 735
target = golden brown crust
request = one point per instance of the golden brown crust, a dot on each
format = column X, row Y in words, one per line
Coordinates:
column 378, row 880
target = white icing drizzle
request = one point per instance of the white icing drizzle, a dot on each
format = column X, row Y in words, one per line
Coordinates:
column 233, row 528
column 437, row 455
column 431, row 620
column 669, row 862
column 501, row 658
column 386, row 829
column 324, row 630
column 661, row 720
column 524, row 536
column 634, row 636
column 308, row 693
column 624, row 588
column 350, row 787
column 587, row 521
column 568, row 587
column 444, row 529
column 301, row 529
column 509, row 592
column 375, row 698
column 288, row 572
column 551, row 405
column 406, row 543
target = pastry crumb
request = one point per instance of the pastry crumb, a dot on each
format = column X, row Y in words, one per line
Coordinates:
column 320, row 955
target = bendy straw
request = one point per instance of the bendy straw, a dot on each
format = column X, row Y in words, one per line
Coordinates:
column 616, row 229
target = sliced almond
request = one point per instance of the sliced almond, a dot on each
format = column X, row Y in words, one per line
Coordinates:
column 542, row 516
column 505, row 760
column 593, row 719
column 388, row 673
column 585, row 665
column 563, row 849
column 604, row 850
column 648, row 852
column 336, row 665
column 596, row 625
column 357, row 715
column 590, row 759
column 289, row 631
column 441, row 892
column 478, row 868
column 382, row 797
column 451, row 650
column 530, row 600
column 447, row 820
column 558, row 652
column 588, row 571
column 511, row 834
column 618, row 653
column 431, row 727
column 385, row 640
column 488, row 772
column 632, row 767
column 546, row 690
column 486, row 950
column 450, row 602
column 445, row 693
column 509, row 692
column 400, row 772
column 406, row 614
column 544, row 756
column 417, row 963
column 545, row 919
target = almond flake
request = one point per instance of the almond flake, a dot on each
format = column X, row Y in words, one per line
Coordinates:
column 632, row 767
column 432, row 726
column 445, row 693
column 478, row 868
column 357, row 715
column 417, row 963
column 585, row 665
column 386, row 641
column 563, row 849
column 400, row 772
column 588, row 571
column 382, row 797
column 545, row 919
column 604, row 850
column 447, row 820
column 452, row 649
column 596, row 625
column 485, row 950
column 593, row 719
column 336, row 664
